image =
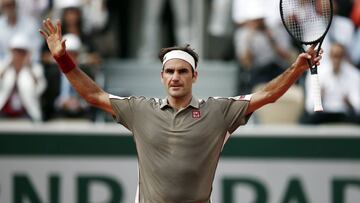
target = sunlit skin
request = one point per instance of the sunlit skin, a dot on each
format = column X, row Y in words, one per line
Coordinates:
column 178, row 78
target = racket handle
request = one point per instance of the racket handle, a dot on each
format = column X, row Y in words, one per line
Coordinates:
column 316, row 94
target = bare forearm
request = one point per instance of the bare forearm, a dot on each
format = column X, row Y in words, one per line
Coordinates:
column 85, row 86
column 278, row 86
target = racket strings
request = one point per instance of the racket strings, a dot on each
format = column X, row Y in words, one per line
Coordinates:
column 306, row 19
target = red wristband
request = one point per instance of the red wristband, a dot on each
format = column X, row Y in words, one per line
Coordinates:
column 65, row 62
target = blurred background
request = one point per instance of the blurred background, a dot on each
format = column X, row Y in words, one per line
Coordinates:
column 242, row 45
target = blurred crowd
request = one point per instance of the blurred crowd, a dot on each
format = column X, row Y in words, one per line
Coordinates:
column 248, row 32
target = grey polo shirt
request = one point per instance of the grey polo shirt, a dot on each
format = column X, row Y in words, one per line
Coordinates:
column 178, row 151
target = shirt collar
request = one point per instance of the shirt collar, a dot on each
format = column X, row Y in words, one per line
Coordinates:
column 193, row 103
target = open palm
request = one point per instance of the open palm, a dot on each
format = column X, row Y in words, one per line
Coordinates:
column 52, row 35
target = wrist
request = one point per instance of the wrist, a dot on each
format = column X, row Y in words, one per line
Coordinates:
column 65, row 62
column 296, row 69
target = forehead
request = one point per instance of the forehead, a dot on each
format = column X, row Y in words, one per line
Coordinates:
column 177, row 63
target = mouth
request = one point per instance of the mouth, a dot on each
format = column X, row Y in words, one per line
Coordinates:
column 175, row 87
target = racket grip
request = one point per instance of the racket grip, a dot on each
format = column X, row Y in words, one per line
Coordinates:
column 316, row 94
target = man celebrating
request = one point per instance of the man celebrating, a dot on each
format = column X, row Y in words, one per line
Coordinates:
column 178, row 139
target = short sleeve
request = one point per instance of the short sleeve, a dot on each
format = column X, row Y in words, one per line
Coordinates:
column 234, row 111
column 123, row 108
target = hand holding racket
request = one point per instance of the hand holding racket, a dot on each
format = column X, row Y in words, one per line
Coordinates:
column 308, row 22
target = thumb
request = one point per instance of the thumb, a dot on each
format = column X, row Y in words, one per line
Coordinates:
column 63, row 45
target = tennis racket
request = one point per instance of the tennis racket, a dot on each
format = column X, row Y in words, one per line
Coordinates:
column 308, row 22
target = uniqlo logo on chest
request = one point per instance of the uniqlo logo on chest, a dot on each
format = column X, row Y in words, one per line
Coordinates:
column 196, row 114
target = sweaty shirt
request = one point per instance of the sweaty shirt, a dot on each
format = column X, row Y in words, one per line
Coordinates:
column 178, row 151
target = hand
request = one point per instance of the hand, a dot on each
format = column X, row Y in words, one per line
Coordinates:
column 302, row 61
column 53, row 37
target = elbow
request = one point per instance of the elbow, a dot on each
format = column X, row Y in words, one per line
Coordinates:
column 93, row 99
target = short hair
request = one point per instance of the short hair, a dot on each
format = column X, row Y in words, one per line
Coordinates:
column 185, row 48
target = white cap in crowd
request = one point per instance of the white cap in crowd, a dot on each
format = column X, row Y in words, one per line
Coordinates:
column 61, row 4
column 73, row 42
column 342, row 30
column 20, row 41
column 248, row 10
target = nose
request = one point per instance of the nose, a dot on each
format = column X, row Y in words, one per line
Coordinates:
column 175, row 76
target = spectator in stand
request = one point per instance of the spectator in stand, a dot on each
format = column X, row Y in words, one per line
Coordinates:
column 93, row 12
column 33, row 8
column 342, row 29
column 355, row 49
column 89, row 20
column 69, row 104
column 12, row 22
column 344, row 7
column 219, row 17
column 258, row 50
column 73, row 23
column 340, row 90
column 355, row 45
column 151, row 25
column 21, row 82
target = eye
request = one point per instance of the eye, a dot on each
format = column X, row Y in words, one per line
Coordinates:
column 183, row 71
column 169, row 71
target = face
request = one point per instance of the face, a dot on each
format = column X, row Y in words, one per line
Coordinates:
column 72, row 16
column 337, row 54
column 178, row 78
column 8, row 7
column 19, row 58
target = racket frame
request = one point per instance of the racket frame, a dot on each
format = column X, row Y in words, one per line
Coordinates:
column 315, row 84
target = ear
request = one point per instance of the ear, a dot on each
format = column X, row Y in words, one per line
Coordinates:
column 162, row 76
column 194, row 79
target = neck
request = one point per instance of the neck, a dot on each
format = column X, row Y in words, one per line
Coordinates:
column 336, row 67
column 179, row 103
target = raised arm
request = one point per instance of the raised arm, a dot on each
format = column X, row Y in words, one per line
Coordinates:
column 278, row 86
column 83, row 84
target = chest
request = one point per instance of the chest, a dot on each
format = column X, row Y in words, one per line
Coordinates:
column 186, row 128
column 335, row 85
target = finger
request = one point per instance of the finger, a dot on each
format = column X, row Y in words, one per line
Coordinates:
column 50, row 26
column 44, row 34
column 305, row 56
column 319, row 51
column 45, row 28
column 313, row 46
column 59, row 31
column 317, row 59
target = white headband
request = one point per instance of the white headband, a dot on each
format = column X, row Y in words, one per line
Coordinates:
column 178, row 54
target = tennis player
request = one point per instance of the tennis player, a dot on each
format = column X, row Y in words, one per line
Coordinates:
column 178, row 139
